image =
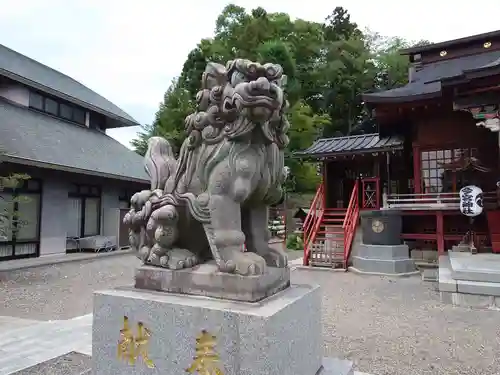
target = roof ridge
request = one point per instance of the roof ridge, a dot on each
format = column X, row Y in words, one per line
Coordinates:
column 451, row 42
column 348, row 136
column 48, row 67
column 28, row 71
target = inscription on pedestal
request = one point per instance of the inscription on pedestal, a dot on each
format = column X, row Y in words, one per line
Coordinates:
column 206, row 360
column 131, row 347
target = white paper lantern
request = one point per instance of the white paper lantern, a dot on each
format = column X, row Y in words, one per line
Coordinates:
column 471, row 200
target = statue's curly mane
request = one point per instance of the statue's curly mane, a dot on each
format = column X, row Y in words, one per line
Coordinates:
column 233, row 115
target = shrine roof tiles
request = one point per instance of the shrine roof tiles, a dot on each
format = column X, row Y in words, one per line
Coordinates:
column 354, row 144
column 427, row 82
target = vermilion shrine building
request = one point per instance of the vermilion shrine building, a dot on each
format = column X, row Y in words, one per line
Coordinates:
column 435, row 135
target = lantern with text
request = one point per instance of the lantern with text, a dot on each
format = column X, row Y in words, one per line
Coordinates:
column 471, row 201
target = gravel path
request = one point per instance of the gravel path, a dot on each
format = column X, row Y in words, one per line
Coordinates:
column 399, row 327
column 386, row 326
column 62, row 291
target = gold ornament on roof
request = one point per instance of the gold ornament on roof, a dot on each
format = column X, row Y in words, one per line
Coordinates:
column 487, row 44
column 443, row 53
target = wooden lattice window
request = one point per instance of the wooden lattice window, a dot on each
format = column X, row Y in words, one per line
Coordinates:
column 435, row 179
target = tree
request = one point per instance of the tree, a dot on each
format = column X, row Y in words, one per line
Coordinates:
column 169, row 119
column 192, row 70
column 391, row 67
column 329, row 65
column 344, row 73
column 258, row 36
column 304, row 129
column 338, row 26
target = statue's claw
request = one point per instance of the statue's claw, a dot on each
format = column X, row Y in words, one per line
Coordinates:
column 276, row 257
column 242, row 263
column 181, row 258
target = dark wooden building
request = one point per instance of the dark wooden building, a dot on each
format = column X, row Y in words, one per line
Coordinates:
column 435, row 135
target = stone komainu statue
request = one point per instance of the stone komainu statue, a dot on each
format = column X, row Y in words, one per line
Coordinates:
column 212, row 202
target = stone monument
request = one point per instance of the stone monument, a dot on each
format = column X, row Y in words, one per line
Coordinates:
column 212, row 296
column 382, row 252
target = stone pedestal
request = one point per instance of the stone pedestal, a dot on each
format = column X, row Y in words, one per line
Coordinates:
column 206, row 280
column 383, row 260
column 278, row 335
column 381, row 227
column 470, row 280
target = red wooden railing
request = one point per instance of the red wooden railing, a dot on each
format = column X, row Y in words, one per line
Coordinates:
column 351, row 222
column 313, row 220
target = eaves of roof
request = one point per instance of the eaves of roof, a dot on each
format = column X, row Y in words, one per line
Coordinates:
column 356, row 144
column 429, row 80
column 32, row 138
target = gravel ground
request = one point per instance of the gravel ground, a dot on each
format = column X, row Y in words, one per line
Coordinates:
column 62, row 291
column 386, row 326
column 399, row 327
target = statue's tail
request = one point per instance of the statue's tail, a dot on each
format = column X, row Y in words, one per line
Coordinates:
column 159, row 162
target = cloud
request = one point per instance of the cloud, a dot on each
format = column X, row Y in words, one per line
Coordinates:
column 129, row 51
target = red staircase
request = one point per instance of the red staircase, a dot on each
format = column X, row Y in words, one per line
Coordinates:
column 329, row 232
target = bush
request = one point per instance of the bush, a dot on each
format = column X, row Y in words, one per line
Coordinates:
column 294, row 242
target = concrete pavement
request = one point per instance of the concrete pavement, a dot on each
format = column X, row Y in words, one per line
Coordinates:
column 47, row 260
column 26, row 343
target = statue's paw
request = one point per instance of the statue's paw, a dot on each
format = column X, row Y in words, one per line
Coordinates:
column 155, row 256
column 181, row 258
column 246, row 264
column 143, row 253
column 153, row 260
column 276, row 257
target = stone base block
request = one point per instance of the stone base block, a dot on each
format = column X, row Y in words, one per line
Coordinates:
column 478, row 267
column 461, row 248
column 429, row 256
column 278, row 335
column 206, row 280
column 446, row 281
column 430, row 275
column 383, row 252
column 476, row 301
column 464, row 293
column 388, row 267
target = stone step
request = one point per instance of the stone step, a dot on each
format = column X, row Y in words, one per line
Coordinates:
column 28, row 346
column 479, row 267
column 382, row 266
column 335, row 366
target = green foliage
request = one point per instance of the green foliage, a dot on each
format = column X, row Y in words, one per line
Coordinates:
column 294, row 242
column 391, row 68
column 305, row 126
column 329, row 65
column 169, row 120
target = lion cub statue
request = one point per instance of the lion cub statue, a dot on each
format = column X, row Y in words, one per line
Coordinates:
column 212, row 202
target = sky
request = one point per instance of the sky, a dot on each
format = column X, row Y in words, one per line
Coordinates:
column 129, row 51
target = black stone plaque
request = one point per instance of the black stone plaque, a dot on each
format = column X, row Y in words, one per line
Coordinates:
column 381, row 227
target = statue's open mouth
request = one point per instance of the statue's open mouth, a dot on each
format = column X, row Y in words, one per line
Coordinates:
column 259, row 93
